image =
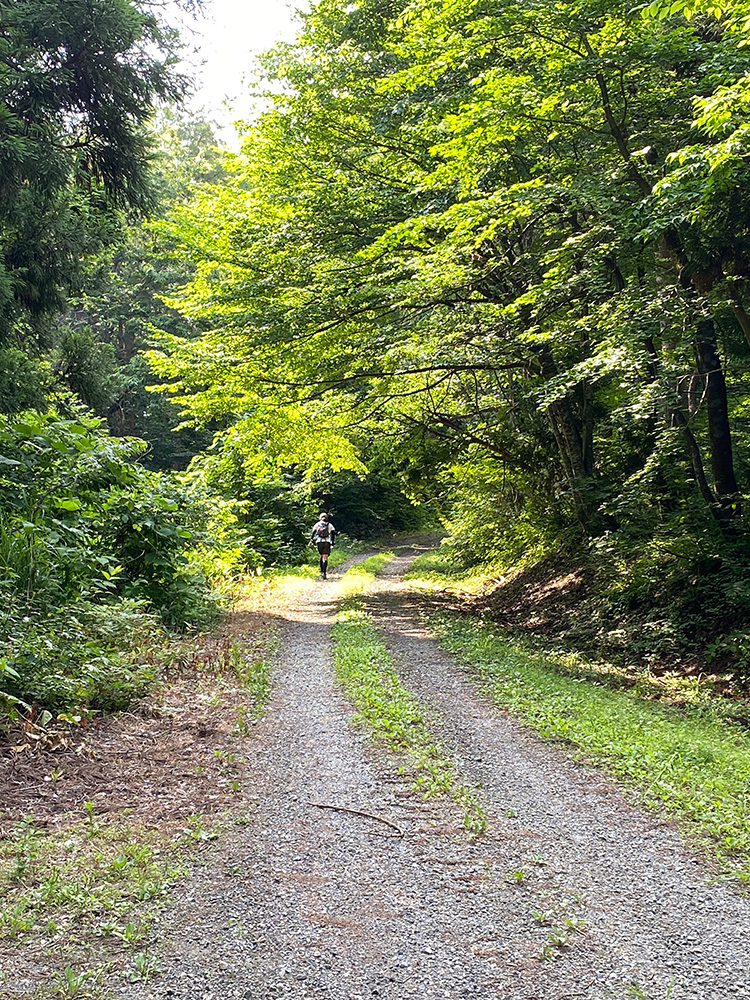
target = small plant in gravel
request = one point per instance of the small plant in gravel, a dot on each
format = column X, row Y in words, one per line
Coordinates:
column 73, row 984
column 636, row 991
column 577, row 924
column 198, row 830
column 560, row 936
column 144, row 967
column 252, row 665
column 558, row 940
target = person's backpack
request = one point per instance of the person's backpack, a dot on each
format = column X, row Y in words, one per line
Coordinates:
column 323, row 531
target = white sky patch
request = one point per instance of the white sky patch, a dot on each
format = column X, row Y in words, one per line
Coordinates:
column 220, row 50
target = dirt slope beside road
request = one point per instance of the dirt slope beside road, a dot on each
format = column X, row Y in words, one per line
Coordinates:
column 571, row 893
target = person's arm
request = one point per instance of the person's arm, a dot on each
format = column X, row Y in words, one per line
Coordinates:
column 333, row 535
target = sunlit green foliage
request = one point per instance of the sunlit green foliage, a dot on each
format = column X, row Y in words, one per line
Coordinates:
column 507, row 245
column 111, row 316
column 94, row 555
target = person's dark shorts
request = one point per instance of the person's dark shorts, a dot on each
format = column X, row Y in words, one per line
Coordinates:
column 324, row 548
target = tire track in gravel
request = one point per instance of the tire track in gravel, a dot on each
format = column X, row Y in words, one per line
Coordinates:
column 653, row 915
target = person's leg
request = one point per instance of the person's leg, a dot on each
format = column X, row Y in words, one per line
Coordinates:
column 324, row 548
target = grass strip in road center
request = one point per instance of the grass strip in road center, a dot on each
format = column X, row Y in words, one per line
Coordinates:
column 360, row 576
column 366, row 669
column 687, row 758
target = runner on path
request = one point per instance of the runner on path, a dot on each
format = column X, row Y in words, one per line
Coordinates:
column 323, row 536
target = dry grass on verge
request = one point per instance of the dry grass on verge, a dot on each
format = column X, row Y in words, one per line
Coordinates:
column 97, row 821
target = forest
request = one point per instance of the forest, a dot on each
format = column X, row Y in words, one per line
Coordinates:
column 479, row 268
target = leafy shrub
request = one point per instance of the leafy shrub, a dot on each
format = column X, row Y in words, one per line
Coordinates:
column 81, row 519
column 83, row 655
column 95, row 553
column 144, row 529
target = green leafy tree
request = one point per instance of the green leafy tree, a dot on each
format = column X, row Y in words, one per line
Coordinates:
column 493, row 235
column 79, row 80
column 111, row 319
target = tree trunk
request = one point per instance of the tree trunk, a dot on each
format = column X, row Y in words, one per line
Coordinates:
column 573, row 433
column 676, row 418
column 738, row 307
column 575, row 445
column 719, row 436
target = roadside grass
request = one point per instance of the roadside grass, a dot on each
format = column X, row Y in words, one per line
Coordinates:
column 85, row 898
column 253, row 668
column 440, row 570
column 367, row 672
column 77, row 903
column 436, row 573
column 690, row 759
column 240, row 667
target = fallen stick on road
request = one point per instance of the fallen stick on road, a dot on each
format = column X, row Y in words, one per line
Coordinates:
column 357, row 812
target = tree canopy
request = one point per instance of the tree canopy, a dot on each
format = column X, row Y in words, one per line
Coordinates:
column 493, row 254
column 495, row 233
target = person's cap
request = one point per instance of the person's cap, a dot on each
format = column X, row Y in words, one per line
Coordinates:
column 323, row 516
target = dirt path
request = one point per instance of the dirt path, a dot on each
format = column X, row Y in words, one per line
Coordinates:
column 571, row 893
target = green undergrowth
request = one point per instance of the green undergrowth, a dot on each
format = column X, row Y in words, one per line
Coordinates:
column 86, row 897
column 366, row 669
column 77, row 904
column 655, row 615
column 80, row 657
column 690, row 759
column 617, row 665
column 440, row 569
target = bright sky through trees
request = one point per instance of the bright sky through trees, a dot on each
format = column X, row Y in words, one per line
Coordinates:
column 221, row 45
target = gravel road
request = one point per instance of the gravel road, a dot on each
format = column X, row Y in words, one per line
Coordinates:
column 571, row 893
